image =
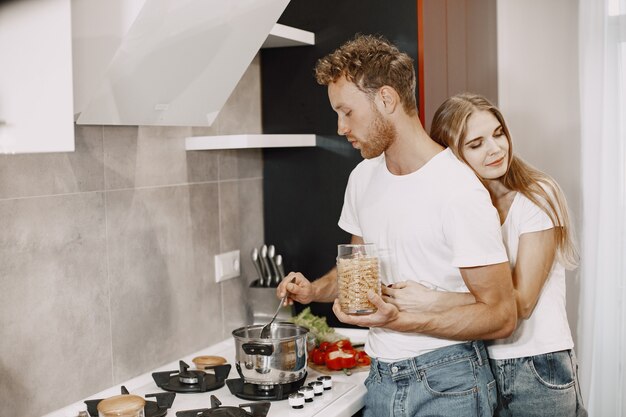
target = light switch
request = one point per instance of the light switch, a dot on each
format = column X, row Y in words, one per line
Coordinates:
column 227, row 266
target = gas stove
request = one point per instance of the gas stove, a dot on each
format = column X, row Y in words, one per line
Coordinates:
column 343, row 400
column 247, row 391
column 158, row 408
column 186, row 381
column 257, row 409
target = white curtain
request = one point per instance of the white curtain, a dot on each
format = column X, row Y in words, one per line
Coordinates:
column 602, row 328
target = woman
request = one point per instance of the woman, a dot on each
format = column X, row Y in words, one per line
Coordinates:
column 535, row 368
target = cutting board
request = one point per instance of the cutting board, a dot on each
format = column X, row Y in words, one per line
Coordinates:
column 322, row 369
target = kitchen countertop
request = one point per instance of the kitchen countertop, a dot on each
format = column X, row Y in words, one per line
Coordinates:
column 343, row 400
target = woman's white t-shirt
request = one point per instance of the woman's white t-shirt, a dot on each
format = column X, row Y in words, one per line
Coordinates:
column 547, row 329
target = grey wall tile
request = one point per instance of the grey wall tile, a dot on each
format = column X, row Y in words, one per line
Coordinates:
column 240, row 163
column 241, row 220
column 164, row 299
column 202, row 166
column 54, row 320
column 250, row 163
column 228, row 164
column 230, row 223
column 144, row 156
column 234, row 293
column 55, row 173
column 149, row 156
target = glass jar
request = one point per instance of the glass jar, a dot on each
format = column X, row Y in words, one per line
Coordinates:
column 357, row 273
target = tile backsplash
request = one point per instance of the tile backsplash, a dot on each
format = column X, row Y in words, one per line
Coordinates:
column 106, row 254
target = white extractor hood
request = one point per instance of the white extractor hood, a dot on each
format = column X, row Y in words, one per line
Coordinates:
column 167, row 62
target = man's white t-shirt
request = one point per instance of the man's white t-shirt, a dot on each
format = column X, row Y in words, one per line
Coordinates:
column 426, row 225
column 547, row 329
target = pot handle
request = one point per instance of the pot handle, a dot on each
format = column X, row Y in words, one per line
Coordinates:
column 258, row 349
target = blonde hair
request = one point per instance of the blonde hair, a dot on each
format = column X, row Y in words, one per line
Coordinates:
column 449, row 129
column 371, row 62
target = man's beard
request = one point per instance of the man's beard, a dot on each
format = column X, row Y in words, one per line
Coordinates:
column 382, row 134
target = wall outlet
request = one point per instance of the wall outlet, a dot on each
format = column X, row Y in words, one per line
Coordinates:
column 227, row 266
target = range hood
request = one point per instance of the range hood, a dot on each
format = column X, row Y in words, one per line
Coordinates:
column 167, row 62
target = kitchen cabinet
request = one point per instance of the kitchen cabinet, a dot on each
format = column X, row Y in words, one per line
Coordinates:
column 36, row 77
column 125, row 62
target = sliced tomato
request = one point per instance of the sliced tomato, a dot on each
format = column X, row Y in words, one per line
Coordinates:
column 323, row 346
column 339, row 359
column 362, row 359
column 343, row 344
column 318, row 356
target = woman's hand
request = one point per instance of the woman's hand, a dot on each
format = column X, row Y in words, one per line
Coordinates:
column 411, row 297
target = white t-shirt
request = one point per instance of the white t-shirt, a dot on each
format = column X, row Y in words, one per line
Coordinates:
column 426, row 225
column 547, row 329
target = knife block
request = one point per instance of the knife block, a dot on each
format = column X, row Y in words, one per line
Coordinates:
column 262, row 303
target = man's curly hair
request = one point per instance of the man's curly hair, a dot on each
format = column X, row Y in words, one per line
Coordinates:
column 371, row 62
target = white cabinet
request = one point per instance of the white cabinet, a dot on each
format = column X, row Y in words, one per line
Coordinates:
column 125, row 62
column 198, row 143
column 36, row 112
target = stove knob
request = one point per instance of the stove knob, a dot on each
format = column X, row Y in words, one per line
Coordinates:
column 296, row 400
column 307, row 392
column 327, row 381
column 318, row 387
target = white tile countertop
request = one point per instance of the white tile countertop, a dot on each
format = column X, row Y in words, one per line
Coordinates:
column 343, row 400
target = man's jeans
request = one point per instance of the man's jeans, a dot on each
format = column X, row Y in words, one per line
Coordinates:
column 538, row 386
column 453, row 381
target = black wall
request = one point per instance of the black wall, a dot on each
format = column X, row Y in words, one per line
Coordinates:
column 304, row 187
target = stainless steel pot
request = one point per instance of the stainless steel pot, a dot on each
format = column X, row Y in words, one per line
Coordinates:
column 279, row 359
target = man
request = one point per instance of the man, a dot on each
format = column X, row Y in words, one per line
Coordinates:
column 433, row 221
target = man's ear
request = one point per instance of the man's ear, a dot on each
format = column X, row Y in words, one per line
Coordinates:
column 389, row 98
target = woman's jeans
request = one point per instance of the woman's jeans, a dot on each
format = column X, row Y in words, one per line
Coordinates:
column 453, row 381
column 538, row 386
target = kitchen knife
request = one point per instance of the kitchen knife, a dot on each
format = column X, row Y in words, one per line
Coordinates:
column 271, row 254
column 266, row 266
column 258, row 266
column 279, row 267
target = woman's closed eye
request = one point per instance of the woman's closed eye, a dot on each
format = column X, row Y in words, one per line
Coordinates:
column 475, row 144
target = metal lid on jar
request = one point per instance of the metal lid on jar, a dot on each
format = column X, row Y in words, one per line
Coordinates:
column 126, row 405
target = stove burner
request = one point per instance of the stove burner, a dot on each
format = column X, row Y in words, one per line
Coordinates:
column 186, row 381
column 158, row 408
column 258, row 409
column 190, row 377
column 277, row 392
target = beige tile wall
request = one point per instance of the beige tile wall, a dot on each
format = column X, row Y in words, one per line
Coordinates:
column 106, row 254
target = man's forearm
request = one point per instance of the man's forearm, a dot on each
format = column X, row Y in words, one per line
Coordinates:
column 325, row 288
column 468, row 322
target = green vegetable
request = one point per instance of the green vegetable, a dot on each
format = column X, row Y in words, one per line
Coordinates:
column 317, row 326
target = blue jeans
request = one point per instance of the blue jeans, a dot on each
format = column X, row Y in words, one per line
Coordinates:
column 453, row 381
column 539, row 386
